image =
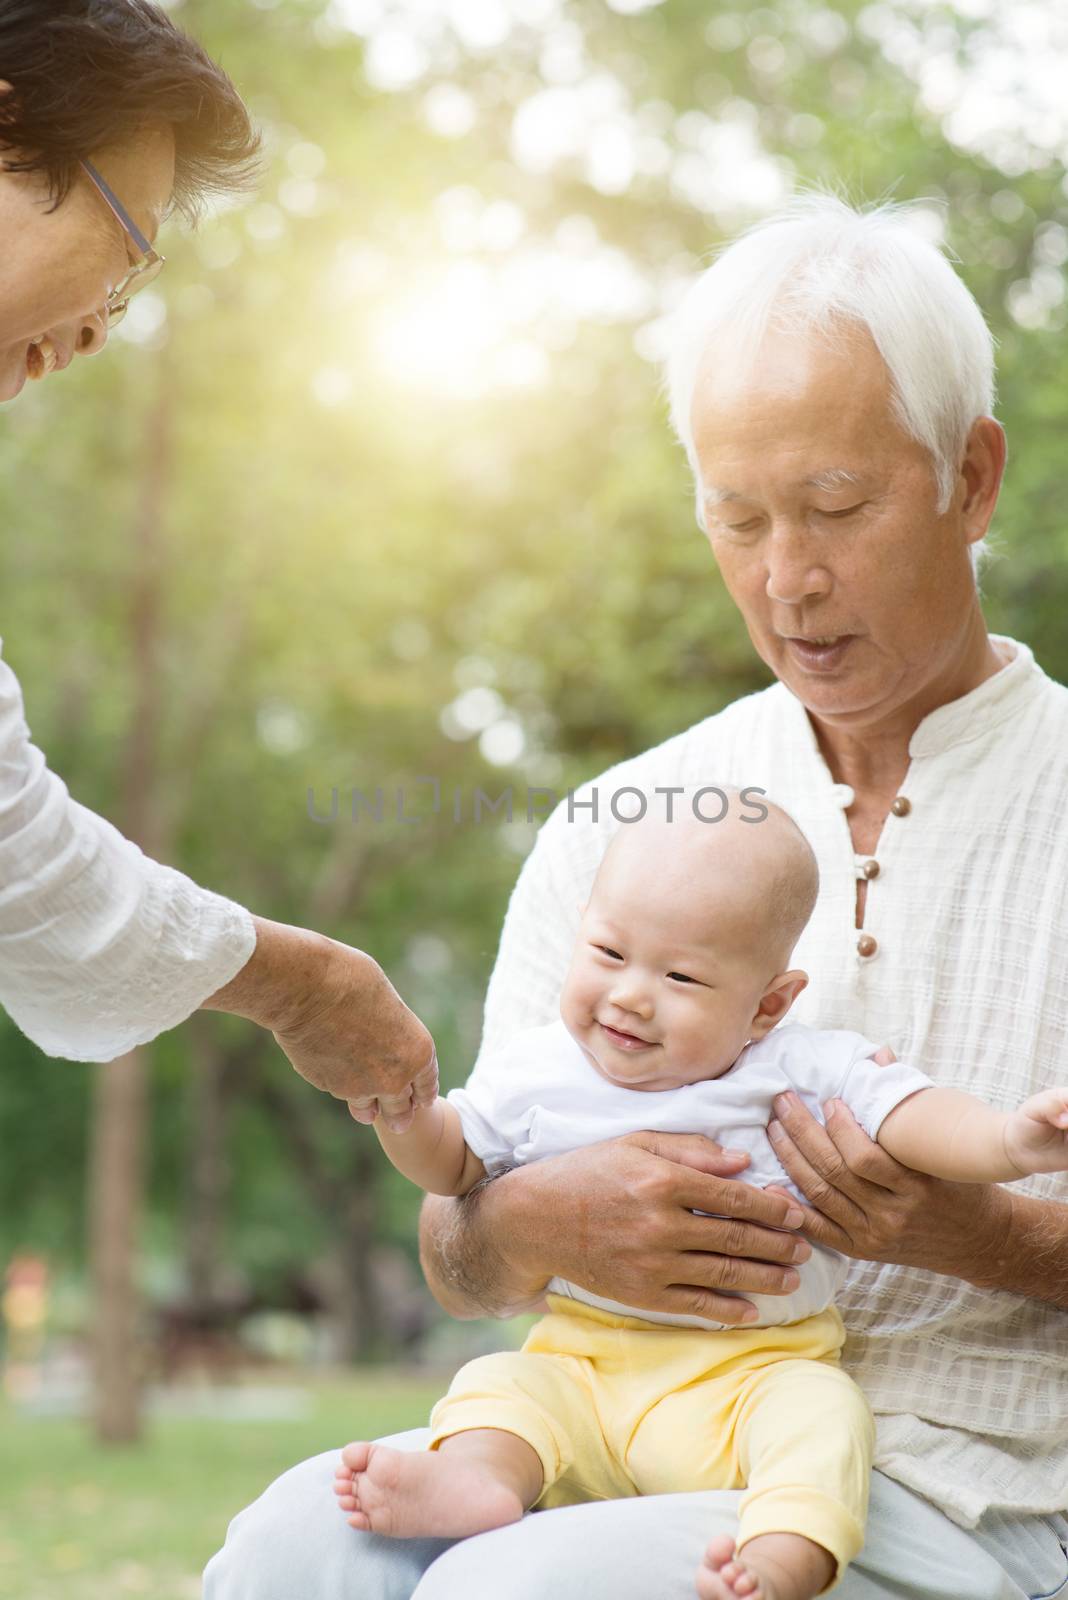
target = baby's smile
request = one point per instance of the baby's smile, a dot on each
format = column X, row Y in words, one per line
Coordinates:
column 626, row 1041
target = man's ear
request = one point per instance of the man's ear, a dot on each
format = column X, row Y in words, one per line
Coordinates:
column 776, row 1001
column 981, row 470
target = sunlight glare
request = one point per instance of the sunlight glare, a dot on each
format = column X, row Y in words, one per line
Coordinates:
column 440, row 335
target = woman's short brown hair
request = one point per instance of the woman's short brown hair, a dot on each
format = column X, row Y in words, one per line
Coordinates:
column 86, row 74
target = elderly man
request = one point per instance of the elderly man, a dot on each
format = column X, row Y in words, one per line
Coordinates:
column 832, row 381
column 108, row 116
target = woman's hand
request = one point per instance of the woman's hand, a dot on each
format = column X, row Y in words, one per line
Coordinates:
column 339, row 1020
column 618, row 1219
column 867, row 1205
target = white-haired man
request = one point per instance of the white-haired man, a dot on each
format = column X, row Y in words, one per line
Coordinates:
column 832, row 381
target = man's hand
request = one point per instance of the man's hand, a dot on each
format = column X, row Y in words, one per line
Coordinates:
column 617, row 1218
column 867, row 1205
column 339, row 1020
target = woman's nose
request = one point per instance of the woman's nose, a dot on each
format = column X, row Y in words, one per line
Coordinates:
column 91, row 334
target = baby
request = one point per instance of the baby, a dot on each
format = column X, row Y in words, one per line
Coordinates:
column 669, row 1020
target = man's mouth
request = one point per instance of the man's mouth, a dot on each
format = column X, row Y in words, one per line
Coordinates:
column 822, row 653
column 626, row 1041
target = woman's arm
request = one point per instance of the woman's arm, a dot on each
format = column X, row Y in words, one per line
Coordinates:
column 338, row 1018
column 103, row 949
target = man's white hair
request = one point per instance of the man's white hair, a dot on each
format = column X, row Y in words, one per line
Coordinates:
column 821, row 265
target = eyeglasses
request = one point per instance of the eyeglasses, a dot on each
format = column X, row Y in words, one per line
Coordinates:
column 141, row 272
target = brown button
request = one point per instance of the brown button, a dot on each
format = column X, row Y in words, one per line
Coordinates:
column 870, row 869
column 901, row 807
column 866, row 945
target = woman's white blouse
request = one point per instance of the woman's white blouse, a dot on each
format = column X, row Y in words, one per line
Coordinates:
column 961, row 967
column 100, row 948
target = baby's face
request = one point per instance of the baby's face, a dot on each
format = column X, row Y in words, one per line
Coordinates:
column 660, row 994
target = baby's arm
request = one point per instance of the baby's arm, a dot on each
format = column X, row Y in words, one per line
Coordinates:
column 950, row 1134
column 433, row 1152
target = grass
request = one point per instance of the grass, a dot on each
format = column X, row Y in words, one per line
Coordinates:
column 85, row 1523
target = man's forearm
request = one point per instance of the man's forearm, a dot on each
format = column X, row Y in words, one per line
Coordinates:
column 468, row 1272
column 1026, row 1250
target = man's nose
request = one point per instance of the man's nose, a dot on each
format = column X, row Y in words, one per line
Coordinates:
column 91, row 334
column 794, row 569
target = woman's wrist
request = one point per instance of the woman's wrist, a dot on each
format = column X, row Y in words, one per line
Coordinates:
column 283, row 981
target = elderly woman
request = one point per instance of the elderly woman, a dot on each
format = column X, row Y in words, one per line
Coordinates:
column 832, row 381
column 108, row 117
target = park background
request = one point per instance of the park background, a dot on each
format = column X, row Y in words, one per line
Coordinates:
column 374, row 485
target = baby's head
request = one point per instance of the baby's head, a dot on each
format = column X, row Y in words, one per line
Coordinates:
column 681, row 959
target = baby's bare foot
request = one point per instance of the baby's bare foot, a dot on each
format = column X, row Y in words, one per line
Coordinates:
column 773, row 1566
column 408, row 1494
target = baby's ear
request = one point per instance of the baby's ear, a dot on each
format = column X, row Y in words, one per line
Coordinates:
column 776, row 1001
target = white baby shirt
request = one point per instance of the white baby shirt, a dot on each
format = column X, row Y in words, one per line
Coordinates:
column 539, row 1096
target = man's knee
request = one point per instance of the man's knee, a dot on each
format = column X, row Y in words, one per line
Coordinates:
column 634, row 1547
column 293, row 1543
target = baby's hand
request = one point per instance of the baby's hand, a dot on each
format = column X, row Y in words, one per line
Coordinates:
column 1036, row 1133
column 368, row 1110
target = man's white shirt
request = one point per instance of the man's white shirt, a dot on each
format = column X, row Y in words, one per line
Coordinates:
column 970, row 918
column 540, row 1097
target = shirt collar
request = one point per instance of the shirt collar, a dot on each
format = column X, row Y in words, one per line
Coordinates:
column 994, row 700
column 982, row 708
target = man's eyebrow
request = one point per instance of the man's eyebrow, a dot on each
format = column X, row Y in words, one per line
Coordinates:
column 830, row 479
column 714, row 496
column 833, row 478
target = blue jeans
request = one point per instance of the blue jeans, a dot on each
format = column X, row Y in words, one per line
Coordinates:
column 294, row 1544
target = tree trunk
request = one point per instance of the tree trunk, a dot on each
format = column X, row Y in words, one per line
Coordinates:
column 116, row 1176
column 349, row 1201
column 120, row 1109
column 358, row 1311
column 208, row 1168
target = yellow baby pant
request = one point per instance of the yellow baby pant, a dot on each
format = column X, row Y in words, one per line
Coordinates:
column 616, row 1406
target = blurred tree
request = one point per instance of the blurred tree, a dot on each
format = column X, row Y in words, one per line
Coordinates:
column 116, row 1171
